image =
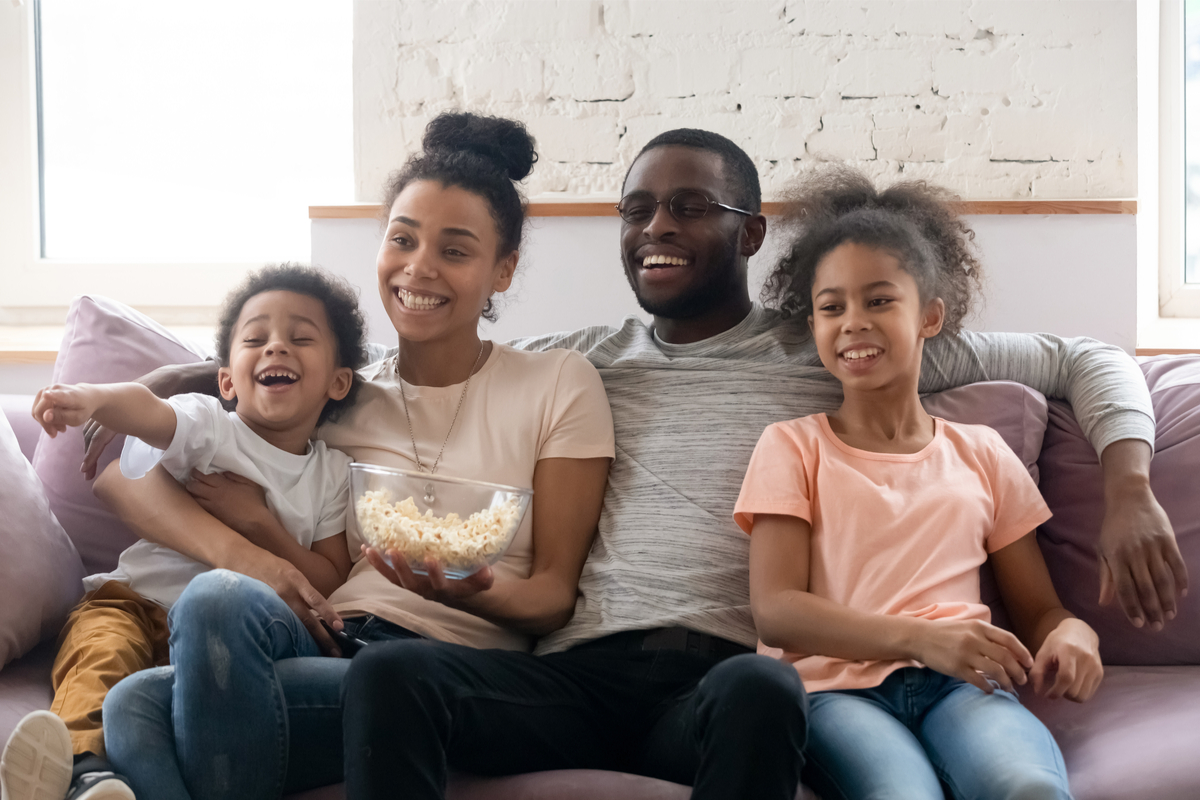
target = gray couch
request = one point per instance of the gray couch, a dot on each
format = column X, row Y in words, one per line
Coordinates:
column 1138, row 738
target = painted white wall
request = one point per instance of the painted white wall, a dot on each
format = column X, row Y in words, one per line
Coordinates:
column 1065, row 274
column 993, row 98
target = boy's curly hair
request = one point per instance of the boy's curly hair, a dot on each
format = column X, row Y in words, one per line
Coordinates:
column 915, row 221
column 341, row 307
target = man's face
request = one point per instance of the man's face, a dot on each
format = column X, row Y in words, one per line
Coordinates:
column 682, row 269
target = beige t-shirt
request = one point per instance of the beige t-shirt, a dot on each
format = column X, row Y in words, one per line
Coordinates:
column 519, row 408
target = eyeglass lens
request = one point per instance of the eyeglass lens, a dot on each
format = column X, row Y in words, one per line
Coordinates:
column 640, row 208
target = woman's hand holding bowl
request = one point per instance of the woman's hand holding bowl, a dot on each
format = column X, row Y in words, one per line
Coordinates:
column 433, row 586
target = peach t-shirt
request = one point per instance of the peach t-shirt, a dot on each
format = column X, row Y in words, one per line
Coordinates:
column 519, row 408
column 897, row 534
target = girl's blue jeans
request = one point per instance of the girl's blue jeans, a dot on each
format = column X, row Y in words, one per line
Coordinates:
column 919, row 728
column 216, row 724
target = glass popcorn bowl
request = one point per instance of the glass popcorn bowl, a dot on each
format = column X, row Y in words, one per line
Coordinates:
column 462, row 524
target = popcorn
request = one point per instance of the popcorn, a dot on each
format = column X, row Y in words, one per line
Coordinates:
column 458, row 545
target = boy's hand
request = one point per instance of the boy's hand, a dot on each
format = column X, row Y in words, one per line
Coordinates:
column 1070, row 657
column 236, row 501
column 61, row 406
column 973, row 650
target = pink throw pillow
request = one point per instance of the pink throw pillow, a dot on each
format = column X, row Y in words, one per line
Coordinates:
column 40, row 574
column 104, row 342
column 1072, row 483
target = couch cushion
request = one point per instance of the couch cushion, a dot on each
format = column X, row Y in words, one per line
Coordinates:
column 104, row 342
column 17, row 408
column 1135, row 738
column 1072, row 485
column 40, row 572
column 25, row 686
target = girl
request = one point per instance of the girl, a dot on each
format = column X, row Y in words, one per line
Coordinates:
column 446, row 402
column 868, row 526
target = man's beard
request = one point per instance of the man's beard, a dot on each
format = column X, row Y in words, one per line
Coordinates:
column 717, row 287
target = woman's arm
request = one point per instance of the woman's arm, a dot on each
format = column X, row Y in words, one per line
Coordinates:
column 241, row 504
column 788, row 616
column 1139, row 558
column 568, row 493
column 1065, row 646
column 158, row 509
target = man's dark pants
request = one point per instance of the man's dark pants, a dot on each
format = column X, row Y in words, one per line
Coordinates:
column 733, row 728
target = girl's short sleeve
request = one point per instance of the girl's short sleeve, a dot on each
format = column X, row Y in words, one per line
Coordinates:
column 580, row 424
column 1017, row 503
column 777, row 479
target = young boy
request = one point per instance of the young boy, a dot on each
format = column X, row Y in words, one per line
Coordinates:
column 289, row 342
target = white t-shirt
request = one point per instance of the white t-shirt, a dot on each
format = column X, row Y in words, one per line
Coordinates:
column 309, row 494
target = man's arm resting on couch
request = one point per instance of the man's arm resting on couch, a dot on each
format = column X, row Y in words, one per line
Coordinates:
column 1140, row 562
column 158, row 509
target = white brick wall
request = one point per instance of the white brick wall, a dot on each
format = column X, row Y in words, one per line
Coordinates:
column 994, row 98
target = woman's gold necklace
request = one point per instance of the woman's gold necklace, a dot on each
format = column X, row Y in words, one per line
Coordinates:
column 429, row 495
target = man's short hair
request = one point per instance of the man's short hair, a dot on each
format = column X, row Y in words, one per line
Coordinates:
column 742, row 174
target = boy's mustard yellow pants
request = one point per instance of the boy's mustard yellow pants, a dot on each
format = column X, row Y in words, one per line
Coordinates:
column 112, row 633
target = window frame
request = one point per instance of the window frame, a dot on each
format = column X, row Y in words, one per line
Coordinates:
column 37, row 290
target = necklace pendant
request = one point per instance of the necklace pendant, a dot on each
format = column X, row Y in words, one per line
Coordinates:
column 429, row 496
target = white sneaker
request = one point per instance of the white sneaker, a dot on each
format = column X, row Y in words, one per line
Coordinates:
column 37, row 761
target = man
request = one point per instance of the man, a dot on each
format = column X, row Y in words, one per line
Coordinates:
column 650, row 674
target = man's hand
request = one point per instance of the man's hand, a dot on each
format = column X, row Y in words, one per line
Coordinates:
column 238, row 502
column 1140, row 562
column 1070, row 658
column 434, row 586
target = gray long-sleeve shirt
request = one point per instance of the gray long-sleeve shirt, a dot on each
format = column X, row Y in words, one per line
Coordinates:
column 687, row 418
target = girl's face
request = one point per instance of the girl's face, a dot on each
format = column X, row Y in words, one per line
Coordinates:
column 868, row 320
column 437, row 265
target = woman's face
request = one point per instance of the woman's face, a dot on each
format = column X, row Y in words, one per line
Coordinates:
column 437, row 264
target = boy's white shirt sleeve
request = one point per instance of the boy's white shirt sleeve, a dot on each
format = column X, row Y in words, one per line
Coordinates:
column 336, row 505
column 201, row 425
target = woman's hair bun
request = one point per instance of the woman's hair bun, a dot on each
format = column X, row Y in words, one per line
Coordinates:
column 504, row 142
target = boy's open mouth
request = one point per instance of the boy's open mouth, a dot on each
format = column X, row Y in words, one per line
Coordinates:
column 277, row 377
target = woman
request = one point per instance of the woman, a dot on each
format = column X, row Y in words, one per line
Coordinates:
column 248, row 710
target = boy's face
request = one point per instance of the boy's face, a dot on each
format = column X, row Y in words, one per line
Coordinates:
column 283, row 363
column 868, row 320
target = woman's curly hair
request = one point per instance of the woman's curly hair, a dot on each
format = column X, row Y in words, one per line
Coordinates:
column 915, row 221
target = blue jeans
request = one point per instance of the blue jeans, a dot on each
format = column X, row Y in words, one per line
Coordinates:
column 919, row 727
column 248, row 708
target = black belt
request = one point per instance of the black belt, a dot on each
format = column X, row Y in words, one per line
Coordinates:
column 675, row 638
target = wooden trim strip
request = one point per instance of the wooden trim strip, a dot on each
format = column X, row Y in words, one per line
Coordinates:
column 607, row 208
column 1164, row 351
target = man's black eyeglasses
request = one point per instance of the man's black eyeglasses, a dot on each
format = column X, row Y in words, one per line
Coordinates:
column 638, row 209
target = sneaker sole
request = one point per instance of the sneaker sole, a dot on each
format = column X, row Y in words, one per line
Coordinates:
column 107, row 790
column 37, row 761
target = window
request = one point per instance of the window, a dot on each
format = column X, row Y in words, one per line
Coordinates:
column 1191, row 124
column 163, row 148
column 1178, row 140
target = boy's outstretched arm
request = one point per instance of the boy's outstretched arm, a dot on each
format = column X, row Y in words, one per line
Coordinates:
column 128, row 408
column 168, row 381
column 1067, row 661
column 788, row 616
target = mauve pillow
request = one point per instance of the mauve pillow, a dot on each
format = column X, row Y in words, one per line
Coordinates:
column 1018, row 414
column 1072, row 483
column 41, row 576
column 104, row 342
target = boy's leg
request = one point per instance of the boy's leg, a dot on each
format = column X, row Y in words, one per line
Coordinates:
column 858, row 748
column 739, row 732
column 112, row 633
column 229, row 710
column 990, row 746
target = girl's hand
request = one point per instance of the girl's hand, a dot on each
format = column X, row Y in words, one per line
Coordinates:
column 434, row 586
column 974, row 651
column 1070, row 656
column 61, row 406
column 238, row 502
